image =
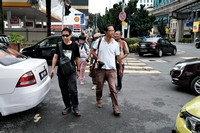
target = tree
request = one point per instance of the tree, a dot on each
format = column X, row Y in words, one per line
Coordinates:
column 161, row 28
column 140, row 22
column 1, row 18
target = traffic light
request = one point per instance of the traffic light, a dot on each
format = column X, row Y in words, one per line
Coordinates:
column 67, row 11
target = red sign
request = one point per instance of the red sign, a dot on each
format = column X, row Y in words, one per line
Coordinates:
column 29, row 24
column 58, row 26
column 77, row 26
column 14, row 21
column 122, row 16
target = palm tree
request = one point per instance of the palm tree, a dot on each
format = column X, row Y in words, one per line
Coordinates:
column 1, row 18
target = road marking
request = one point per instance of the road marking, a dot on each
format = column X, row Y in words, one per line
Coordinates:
column 137, row 64
column 135, row 71
column 137, row 67
column 152, row 60
column 188, row 57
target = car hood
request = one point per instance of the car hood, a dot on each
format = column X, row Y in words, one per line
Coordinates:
column 192, row 107
column 190, row 61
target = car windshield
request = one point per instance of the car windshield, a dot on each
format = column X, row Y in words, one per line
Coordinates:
column 151, row 39
column 10, row 56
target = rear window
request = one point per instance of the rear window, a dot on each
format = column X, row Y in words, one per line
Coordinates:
column 151, row 39
column 10, row 56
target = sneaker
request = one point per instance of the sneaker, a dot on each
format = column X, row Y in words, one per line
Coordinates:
column 94, row 87
column 66, row 111
column 76, row 111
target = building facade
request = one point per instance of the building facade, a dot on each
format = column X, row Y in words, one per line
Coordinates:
column 147, row 3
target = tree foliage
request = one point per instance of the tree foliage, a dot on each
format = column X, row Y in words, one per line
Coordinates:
column 161, row 28
column 141, row 22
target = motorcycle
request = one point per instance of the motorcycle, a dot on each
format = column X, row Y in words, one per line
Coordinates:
column 197, row 43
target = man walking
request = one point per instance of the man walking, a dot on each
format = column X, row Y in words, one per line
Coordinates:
column 107, row 49
column 68, row 84
column 124, row 51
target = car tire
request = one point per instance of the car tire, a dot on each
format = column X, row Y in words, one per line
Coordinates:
column 160, row 53
column 195, row 85
column 197, row 45
column 174, row 51
column 140, row 54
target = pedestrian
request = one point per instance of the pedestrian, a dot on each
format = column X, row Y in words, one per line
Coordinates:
column 107, row 49
column 124, row 51
column 84, row 55
column 68, row 84
column 96, row 36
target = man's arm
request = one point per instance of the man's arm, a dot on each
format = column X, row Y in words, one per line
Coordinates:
column 78, row 66
column 95, row 55
column 54, row 61
column 120, row 65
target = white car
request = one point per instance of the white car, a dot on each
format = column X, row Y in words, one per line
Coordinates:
column 24, row 82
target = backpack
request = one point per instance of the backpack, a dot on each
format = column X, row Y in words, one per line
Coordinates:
column 123, row 45
column 84, row 45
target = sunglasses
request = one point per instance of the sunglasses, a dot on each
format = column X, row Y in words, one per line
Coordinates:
column 66, row 35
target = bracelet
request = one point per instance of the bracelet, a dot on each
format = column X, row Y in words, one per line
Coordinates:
column 78, row 70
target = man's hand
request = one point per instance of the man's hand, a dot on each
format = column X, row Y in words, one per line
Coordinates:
column 52, row 73
column 120, row 72
column 77, row 74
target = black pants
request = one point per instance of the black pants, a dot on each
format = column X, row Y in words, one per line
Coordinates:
column 119, row 78
column 68, row 87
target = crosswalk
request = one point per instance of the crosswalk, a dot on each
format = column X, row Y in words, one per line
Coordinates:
column 135, row 66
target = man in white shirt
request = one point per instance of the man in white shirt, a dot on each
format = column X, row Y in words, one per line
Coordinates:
column 107, row 50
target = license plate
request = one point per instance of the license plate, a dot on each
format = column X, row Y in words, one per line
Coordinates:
column 43, row 74
column 143, row 50
column 143, row 46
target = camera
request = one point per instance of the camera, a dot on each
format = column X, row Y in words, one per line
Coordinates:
column 100, row 65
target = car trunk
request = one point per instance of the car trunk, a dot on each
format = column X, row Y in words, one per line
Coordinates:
column 145, row 44
column 11, row 74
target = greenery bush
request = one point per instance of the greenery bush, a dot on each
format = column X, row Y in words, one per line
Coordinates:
column 132, row 40
column 132, row 48
column 186, row 40
column 15, row 38
column 172, row 39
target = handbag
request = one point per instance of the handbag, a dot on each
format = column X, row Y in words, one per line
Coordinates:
column 92, row 72
column 65, row 63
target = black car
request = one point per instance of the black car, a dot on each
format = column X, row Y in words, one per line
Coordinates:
column 4, row 39
column 44, row 49
column 187, row 74
column 156, row 45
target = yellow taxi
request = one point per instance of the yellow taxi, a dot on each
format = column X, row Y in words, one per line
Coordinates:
column 188, row 120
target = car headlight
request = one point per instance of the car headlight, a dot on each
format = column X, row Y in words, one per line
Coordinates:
column 192, row 123
column 179, row 66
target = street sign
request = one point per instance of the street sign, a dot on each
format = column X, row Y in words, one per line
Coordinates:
column 122, row 16
column 123, row 23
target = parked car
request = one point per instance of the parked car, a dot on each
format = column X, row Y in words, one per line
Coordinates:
column 188, row 119
column 44, row 49
column 187, row 73
column 4, row 39
column 24, row 81
column 156, row 45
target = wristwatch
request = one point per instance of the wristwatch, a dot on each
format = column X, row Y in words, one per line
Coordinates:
column 78, row 70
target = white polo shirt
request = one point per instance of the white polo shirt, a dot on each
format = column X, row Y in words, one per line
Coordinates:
column 107, row 53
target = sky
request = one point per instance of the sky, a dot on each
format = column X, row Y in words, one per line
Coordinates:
column 98, row 6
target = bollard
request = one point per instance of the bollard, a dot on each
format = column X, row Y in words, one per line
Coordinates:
column 18, row 47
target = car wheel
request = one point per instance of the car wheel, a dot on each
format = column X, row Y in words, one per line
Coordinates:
column 195, row 85
column 160, row 52
column 140, row 54
column 197, row 45
column 174, row 51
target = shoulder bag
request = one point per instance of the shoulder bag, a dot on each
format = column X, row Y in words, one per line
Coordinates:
column 92, row 72
column 65, row 63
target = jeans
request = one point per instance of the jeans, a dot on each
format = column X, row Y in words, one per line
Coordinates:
column 110, row 77
column 119, row 78
column 68, row 87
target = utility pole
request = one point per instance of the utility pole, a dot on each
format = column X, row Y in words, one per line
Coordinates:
column 122, row 11
column 63, row 15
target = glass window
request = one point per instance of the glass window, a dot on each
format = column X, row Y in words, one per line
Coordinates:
column 140, row 1
column 147, row 1
column 144, row 1
column 10, row 56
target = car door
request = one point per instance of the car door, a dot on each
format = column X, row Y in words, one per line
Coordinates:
column 163, row 45
column 47, row 48
column 169, row 46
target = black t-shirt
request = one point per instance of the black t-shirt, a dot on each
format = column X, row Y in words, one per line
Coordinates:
column 72, row 51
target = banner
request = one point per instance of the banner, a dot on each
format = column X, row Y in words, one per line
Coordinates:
column 196, row 26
